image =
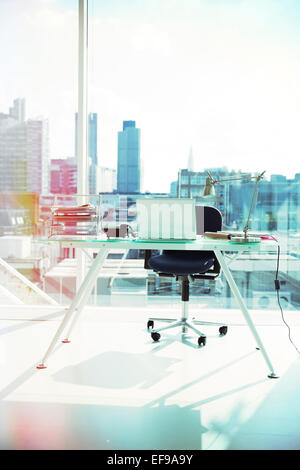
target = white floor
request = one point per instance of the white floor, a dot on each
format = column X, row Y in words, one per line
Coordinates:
column 113, row 388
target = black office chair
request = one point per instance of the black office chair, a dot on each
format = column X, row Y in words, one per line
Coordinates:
column 187, row 266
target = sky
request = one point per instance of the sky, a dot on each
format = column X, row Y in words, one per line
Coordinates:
column 218, row 76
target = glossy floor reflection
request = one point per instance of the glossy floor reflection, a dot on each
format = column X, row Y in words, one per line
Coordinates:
column 113, row 388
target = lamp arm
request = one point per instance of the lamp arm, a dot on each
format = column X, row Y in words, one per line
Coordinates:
column 211, row 182
column 246, row 228
column 259, row 177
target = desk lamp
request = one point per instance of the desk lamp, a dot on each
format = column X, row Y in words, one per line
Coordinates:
column 209, row 190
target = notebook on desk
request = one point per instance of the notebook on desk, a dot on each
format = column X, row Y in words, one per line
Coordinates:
column 226, row 235
column 166, row 219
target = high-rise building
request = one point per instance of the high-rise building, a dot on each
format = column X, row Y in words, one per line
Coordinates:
column 190, row 184
column 92, row 150
column 63, row 176
column 191, row 161
column 93, row 137
column 23, row 151
column 107, row 178
column 17, row 111
column 129, row 165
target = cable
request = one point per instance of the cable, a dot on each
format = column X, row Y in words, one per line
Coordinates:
column 277, row 288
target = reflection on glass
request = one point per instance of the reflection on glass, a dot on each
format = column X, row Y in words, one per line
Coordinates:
column 36, row 131
column 172, row 93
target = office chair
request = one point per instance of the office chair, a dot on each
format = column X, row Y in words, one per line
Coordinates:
column 187, row 266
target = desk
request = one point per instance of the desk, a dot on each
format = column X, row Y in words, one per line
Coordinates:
column 201, row 243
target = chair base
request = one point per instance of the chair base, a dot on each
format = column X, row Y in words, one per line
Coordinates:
column 185, row 325
column 183, row 322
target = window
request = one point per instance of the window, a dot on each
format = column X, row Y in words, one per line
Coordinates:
column 174, row 91
column 38, row 42
column 208, row 86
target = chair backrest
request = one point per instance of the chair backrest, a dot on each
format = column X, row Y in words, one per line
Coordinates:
column 208, row 219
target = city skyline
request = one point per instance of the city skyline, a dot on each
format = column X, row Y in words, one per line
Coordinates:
column 129, row 163
column 220, row 77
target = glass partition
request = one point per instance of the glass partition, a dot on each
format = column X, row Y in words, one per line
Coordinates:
column 174, row 91
column 182, row 89
column 38, row 43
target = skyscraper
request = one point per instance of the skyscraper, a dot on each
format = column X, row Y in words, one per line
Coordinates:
column 190, row 166
column 17, row 111
column 92, row 137
column 63, row 176
column 107, row 178
column 129, row 166
column 92, row 149
column 23, row 151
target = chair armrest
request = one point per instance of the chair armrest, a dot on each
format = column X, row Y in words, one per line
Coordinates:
column 148, row 255
column 212, row 273
column 216, row 268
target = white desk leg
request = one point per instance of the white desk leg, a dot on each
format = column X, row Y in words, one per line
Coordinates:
column 78, row 302
column 93, row 272
column 244, row 310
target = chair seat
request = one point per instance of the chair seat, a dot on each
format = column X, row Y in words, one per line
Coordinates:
column 182, row 262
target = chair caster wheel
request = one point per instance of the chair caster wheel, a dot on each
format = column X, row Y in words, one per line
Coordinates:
column 202, row 340
column 150, row 324
column 223, row 330
column 155, row 336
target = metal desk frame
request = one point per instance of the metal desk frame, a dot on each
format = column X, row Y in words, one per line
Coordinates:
column 201, row 243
